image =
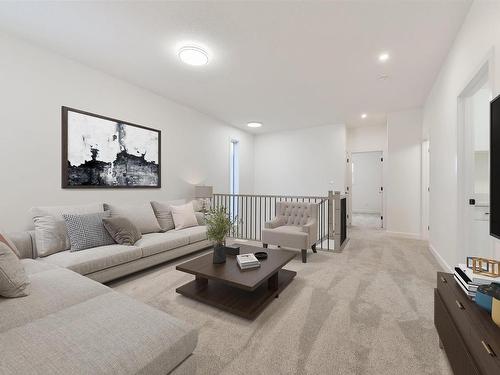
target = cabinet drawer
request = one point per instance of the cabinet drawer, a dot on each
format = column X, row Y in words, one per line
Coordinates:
column 484, row 350
column 453, row 343
column 455, row 301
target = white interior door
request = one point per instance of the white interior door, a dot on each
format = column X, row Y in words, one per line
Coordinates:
column 476, row 148
column 367, row 186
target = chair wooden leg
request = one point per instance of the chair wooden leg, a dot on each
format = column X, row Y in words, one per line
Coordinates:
column 264, row 245
column 313, row 247
column 304, row 255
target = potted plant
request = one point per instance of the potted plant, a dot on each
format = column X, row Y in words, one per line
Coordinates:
column 219, row 225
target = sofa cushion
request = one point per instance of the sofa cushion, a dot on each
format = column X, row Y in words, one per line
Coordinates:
column 13, row 279
column 195, row 234
column 286, row 236
column 110, row 333
column 86, row 231
column 94, row 259
column 52, row 289
column 155, row 243
column 141, row 215
column 51, row 235
column 32, row 267
column 123, row 231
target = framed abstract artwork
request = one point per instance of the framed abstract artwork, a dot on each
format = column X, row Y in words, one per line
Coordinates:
column 102, row 152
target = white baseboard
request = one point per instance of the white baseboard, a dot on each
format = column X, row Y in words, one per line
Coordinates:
column 413, row 236
column 444, row 265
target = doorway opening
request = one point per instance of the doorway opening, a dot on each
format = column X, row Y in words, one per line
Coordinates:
column 367, row 189
column 473, row 166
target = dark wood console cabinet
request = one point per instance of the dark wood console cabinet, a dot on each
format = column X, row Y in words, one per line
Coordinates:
column 467, row 334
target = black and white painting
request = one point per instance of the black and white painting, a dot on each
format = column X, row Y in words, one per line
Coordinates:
column 108, row 153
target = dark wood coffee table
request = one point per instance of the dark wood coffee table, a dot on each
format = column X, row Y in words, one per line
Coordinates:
column 242, row 292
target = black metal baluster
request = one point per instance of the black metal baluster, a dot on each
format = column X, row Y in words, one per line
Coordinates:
column 260, row 217
column 321, row 226
column 255, row 221
column 265, row 210
column 246, row 217
column 251, row 217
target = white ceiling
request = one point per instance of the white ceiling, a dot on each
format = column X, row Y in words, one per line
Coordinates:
column 286, row 64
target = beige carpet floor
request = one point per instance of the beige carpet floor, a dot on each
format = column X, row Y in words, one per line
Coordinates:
column 365, row 310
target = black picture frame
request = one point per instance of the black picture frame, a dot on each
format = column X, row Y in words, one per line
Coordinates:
column 65, row 180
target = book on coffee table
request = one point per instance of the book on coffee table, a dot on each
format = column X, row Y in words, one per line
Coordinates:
column 247, row 261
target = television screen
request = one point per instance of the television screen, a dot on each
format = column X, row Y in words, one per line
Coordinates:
column 495, row 167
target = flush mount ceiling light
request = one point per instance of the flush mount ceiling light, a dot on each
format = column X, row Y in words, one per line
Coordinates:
column 383, row 57
column 254, row 124
column 363, row 115
column 193, row 55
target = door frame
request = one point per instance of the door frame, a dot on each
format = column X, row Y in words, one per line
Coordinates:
column 425, row 178
column 483, row 75
column 349, row 183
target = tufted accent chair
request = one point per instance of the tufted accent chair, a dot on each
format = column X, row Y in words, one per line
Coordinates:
column 295, row 226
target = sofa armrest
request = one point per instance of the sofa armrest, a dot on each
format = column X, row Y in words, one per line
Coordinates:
column 275, row 223
column 311, row 229
column 24, row 242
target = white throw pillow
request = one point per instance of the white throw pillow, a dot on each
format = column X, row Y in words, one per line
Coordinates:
column 163, row 212
column 51, row 235
column 184, row 216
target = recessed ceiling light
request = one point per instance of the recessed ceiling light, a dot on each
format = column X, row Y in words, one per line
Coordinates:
column 193, row 55
column 383, row 57
column 363, row 115
column 254, row 124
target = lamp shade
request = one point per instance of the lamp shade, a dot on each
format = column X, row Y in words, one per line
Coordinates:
column 202, row 191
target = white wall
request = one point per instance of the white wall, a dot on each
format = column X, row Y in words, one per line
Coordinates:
column 301, row 162
column 366, row 182
column 478, row 38
column 367, row 138
column 35, row 84
column 402, row 182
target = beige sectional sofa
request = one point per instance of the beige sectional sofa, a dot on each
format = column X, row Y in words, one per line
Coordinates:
column 71, row 324
column 106, row 263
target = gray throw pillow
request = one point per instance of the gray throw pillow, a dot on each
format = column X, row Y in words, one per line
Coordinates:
column 163, row 212
column 122, row 230
column 200, row 218
column 13, row 279
column 142, row 215
column 86, row 231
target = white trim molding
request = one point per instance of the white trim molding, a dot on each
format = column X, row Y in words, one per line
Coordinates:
column 444, row 265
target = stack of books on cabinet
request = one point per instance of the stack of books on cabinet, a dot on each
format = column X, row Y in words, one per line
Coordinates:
column 469, row 281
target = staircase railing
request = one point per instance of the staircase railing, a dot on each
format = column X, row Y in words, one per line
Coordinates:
column 253, row 210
